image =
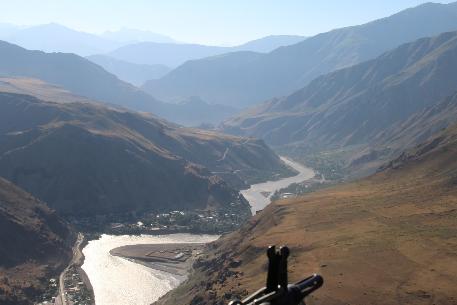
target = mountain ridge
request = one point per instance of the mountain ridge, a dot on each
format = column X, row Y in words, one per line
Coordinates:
column 53, row 37
column 351, row 106
column 135, row 74
column 287, row 69
column 72, row 154
column 175, row 54
column 84, row 78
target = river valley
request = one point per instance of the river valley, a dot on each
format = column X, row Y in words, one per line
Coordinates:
column 118, row 281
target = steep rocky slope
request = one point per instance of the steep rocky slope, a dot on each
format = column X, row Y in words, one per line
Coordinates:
column 347, row 123
column 84, row 158
column 35, row 245
column 387, row 239
column 244, row 79
column 352, row 105
column 418, row 128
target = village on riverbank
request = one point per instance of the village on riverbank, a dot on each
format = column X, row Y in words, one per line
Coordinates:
column 74, row 288
column 196, row 222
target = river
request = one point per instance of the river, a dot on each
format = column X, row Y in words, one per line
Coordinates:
column 255, row 194
column 117, row 281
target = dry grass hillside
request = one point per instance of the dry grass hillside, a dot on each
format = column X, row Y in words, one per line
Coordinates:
column 86, row 159
column 237, row 160
column 34, row 245
column 39, row 89
column 387, row 239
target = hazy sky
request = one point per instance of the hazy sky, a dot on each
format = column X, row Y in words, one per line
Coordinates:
column 203, row 21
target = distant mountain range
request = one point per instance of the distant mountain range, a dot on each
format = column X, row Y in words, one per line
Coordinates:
column 168, row 54
column 87, row 159
column 357, row 105
column 243, row 79
column 36, row 245
column 81, row 77
column 173, row 55
column 75, row 74
column 269, row 43
column 136, row 74
column 54, row 37
column 134, row 56
column 57, row 38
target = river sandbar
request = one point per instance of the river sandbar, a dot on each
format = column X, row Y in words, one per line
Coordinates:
column 172, row 258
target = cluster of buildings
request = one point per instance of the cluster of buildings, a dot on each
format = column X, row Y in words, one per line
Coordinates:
column 75, row 290
column 178, row 222
column 217, row 221
column 49, row 296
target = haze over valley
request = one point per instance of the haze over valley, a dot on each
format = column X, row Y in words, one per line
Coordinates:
column 144, row 161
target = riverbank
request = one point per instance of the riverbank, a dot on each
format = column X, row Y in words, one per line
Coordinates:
column 138, row 269
column 79, row 262
column 130, row 280
column 205, row 221
column 74, row 284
